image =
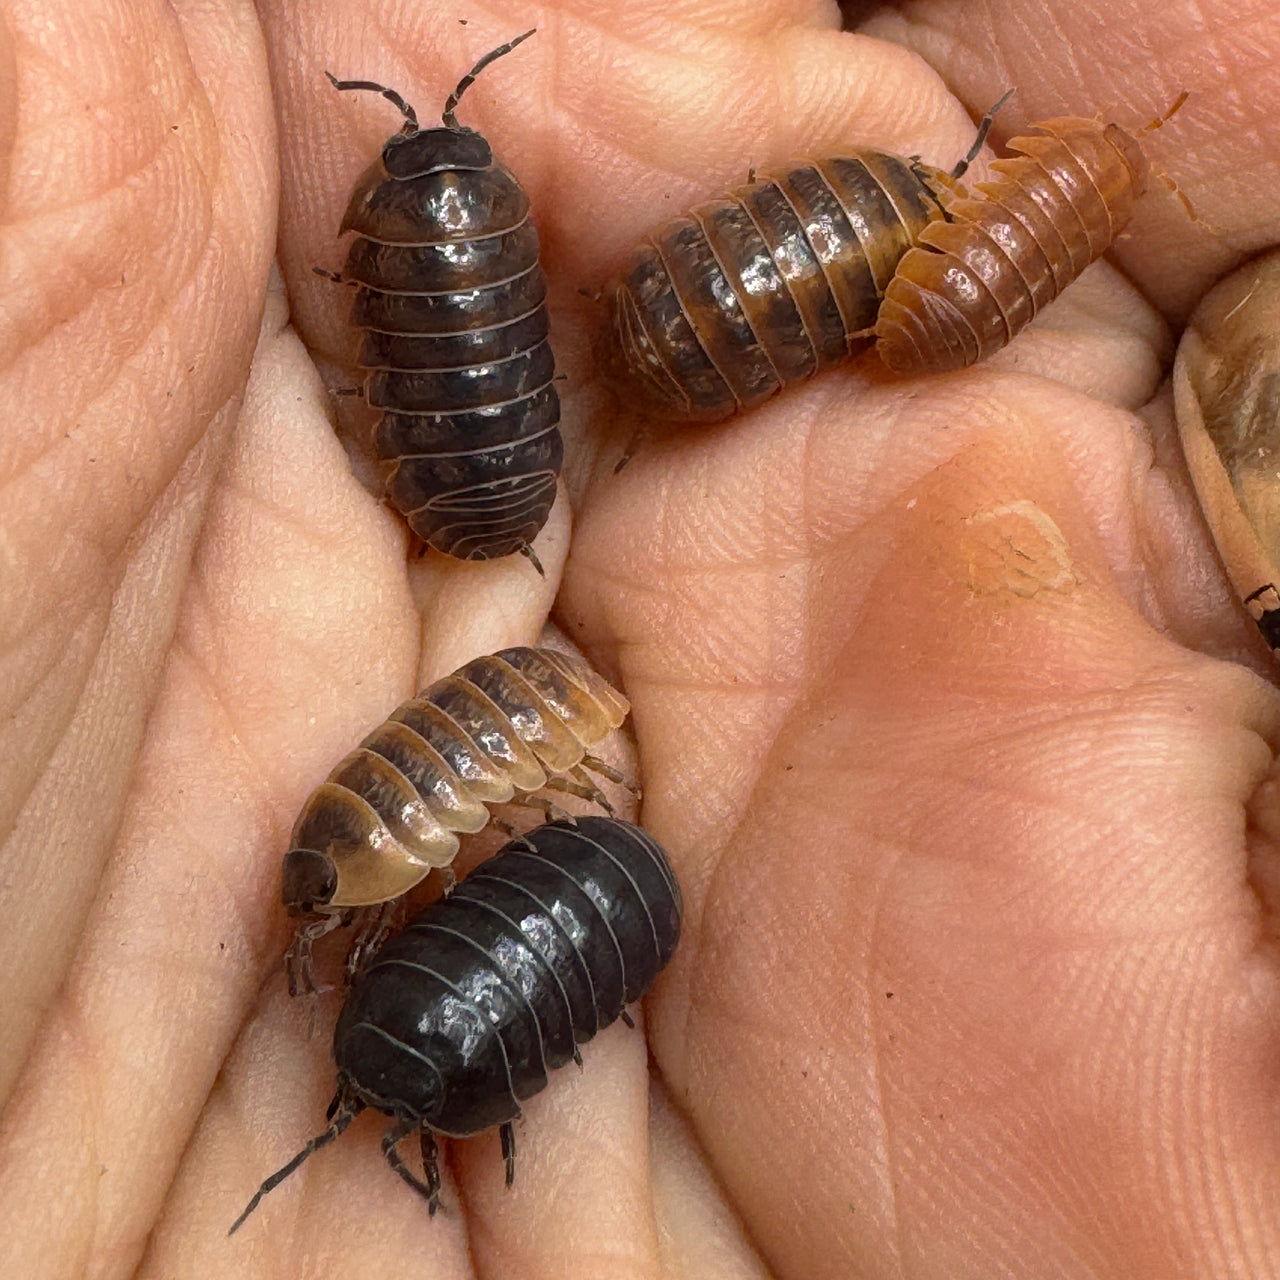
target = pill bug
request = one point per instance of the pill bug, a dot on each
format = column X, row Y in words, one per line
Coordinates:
column 1226, row 396
column 497, row 730
column 976, row 277
column 450, row 295
column 460, row 1017
column 781, row 279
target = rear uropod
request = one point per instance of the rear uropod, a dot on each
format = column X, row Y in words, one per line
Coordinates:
column 451, row 299
column 460, row 1017
column 978, row 276
column 496, row 730
column 779, row 280
column 1226, row 388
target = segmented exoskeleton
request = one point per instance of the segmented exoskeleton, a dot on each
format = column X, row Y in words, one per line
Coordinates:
column 451, row 299
column 976, row 278
column 778, row 280
column 498, row 729
column 460, row 1017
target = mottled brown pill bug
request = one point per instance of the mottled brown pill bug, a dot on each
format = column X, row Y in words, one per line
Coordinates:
column 460, row 1017
column 779, row 280
column 498, row 729
column 976, row 277
column 450, row 295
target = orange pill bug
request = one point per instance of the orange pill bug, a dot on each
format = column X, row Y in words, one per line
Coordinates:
column 497, row 730
column 977, row 276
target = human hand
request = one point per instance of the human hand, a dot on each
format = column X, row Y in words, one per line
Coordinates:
column 921, row 692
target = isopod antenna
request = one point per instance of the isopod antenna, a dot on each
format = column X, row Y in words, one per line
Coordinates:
column 448, row 119
column 410, row 115
column 343, row 1111
column 984, row 128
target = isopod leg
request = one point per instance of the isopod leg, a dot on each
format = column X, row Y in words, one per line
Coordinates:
column 375, row 925
column 633, row 446
column 582, row 787
column 297, row 960
column 508, row 1135
column 430, row 1165
column 529, row 554
column 428, row 1190
column 596, row 765
column 626, row 1017
column 551, row 811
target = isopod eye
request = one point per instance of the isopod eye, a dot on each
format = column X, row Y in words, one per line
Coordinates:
column 412, row 155
column 310, row 881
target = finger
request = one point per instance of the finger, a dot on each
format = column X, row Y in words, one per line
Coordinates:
column 289, row 642
column 140, row 213
column 699, row 1233
column 580, row 1202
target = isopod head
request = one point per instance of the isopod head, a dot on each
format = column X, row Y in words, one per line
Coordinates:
column 424, row 166
column 309, row 881
column 1226, row 383
column 415, row 154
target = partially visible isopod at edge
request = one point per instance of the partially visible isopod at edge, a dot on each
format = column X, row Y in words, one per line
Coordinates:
column 460, row 1017
column 779, row 280
column 976, row 277
column 499, row 729
column 451, row 298
column 1226, row 387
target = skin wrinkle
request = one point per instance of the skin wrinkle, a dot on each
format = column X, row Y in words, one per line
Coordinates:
column 890, row 1179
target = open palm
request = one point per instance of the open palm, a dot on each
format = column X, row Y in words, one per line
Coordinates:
column 943, row 708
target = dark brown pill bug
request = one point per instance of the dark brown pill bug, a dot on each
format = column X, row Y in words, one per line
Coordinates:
column 979, row 275
column 498, row 729
column 779, row 280
column 460, row 1017
column 451, row 300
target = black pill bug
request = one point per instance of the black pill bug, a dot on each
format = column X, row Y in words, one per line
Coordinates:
column 460, row 1017
column 779, row 280
column 451, row 300
column 499, row 729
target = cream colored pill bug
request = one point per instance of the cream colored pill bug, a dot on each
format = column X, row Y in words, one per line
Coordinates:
column 1226, row 381
column 499, row 729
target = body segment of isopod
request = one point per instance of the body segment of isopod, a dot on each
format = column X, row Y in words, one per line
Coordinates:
column 451, row 298
column 976, row 277
column 459, row 1018
column 779, row 280
column 499, row 729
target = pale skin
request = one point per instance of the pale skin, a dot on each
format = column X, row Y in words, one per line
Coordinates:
column 958, row 742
